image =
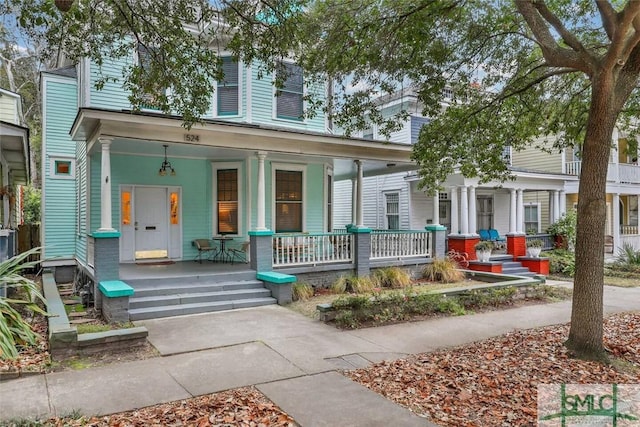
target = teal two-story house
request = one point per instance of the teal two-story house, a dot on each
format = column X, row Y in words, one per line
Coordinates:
column 255, row 166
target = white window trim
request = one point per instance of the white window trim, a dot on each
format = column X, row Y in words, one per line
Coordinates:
column 538, row 211
column 241, row 76
column 294, row 168
column 61, row 158
column 274, row 105
column 385, row 194
column 215, row 167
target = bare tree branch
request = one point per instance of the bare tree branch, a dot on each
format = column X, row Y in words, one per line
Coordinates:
column 556, row 55
column 609, row 17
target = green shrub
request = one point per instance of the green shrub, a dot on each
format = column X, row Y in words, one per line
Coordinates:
column 443, row 270
column 566, row 227
column 450, row 306
column 391, row 277
column 302, row 291
column 15, row 331
column 561, row 261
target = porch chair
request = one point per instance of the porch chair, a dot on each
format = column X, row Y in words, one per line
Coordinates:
column 484, row 234
column 239, row 254
column 205, row 247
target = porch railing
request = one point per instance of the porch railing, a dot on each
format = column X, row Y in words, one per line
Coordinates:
column 616, row 172
column 548, row 241
column 305, row 249
column 628, row 229
column 400, row 244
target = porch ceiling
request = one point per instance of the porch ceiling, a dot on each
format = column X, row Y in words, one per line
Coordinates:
column 14, row 143
column 133, row 133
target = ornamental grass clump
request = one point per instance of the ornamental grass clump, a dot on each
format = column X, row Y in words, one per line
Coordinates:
column 391, row 277
column 23, row 293
column 443, row 270
column 302, row 291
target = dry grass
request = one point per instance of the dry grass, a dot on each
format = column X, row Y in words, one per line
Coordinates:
column 621, row 282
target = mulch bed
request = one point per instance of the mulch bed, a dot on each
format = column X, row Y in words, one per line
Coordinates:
column 494, row 382
column 240, row 407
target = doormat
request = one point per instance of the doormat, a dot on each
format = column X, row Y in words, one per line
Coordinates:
column 156, row 263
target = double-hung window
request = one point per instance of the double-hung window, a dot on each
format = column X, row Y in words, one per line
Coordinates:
column 228, row 88
column 227, row 180
column 288, row 201
column 290, row 97
column 392, row 211
column 531, row 219
column 150, row 100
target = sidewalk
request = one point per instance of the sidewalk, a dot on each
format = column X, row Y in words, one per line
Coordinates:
column 290, row 358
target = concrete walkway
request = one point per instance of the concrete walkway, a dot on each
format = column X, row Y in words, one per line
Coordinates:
column 290, row 358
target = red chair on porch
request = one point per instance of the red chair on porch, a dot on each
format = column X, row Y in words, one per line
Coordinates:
column 204, row 247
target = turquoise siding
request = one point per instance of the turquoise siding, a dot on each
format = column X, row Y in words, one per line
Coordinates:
column 112, row 95
column 60, row 106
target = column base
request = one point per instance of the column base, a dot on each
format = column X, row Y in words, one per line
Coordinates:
column 516, row 245
column 464, row 243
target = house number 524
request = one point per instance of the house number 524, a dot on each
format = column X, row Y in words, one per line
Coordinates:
column 188, row 137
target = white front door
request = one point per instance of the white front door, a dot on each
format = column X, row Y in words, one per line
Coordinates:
column 151, row 222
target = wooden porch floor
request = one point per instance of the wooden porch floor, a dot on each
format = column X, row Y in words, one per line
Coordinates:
column 179, row 269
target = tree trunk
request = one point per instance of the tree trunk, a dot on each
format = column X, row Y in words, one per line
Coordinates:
column 586, row 333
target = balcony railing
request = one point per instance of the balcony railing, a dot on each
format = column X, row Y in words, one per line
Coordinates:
column 400, row 244
column 312, row 249
column 628, row 229
column 617, row 172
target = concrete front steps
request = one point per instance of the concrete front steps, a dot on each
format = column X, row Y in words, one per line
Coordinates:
column 514, row 268
column 166, row 297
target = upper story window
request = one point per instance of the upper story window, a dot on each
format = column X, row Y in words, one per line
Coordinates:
column 145, row 57
column 289, row 98
column 507, row 155
column 229, row 88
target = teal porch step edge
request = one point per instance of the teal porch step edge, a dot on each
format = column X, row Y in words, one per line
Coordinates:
column 115, row 288
column 275, row 277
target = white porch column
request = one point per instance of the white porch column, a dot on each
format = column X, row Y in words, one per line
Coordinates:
column 563, row 202
column 359, row 213
column 6, row 206
column 261, row 222
column 472, row 210
column 455, row 222
column 520, row 211
column 436, row 209
column 354, row 200
column 105, row 186
column 464, row 211
column 513, row 207
column 556, row 205
column 614, row 156
column 615, row 221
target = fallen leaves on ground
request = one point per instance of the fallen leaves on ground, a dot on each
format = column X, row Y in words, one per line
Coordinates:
column 240, row 407
column 31, row 358
column 494, row 382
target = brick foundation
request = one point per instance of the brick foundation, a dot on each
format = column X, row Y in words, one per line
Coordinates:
column 537, row 265
column 516, row 245
column 489, row 267
column 464, row 244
